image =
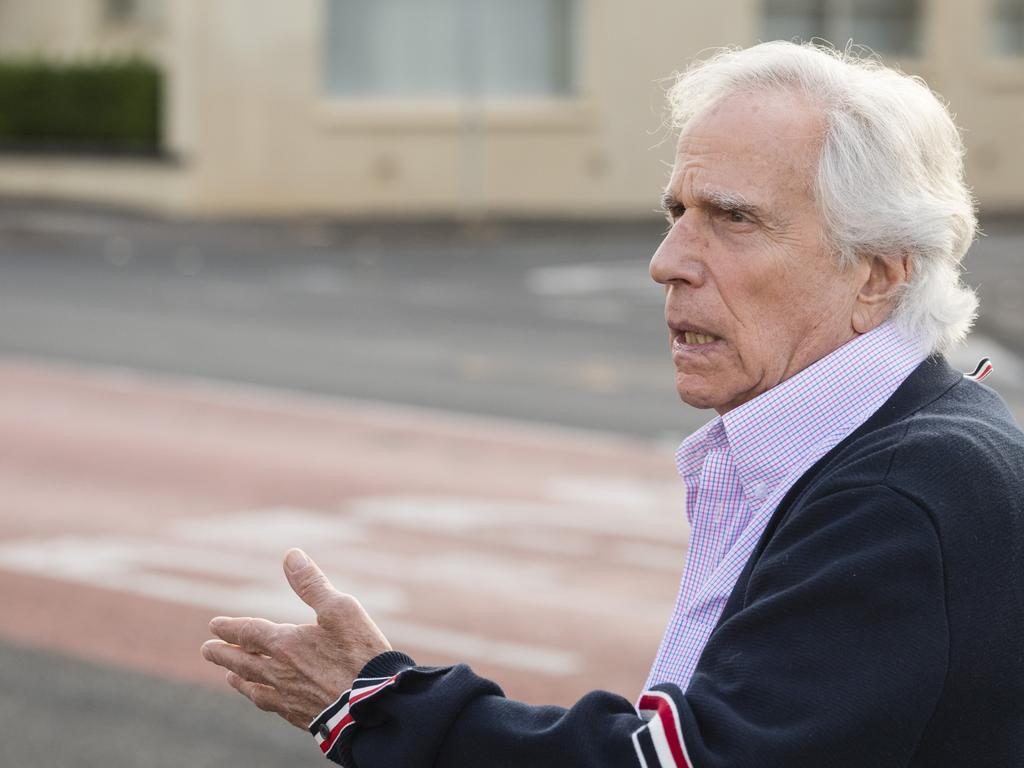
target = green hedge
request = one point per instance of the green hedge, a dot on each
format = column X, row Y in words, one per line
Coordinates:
column 80, row 106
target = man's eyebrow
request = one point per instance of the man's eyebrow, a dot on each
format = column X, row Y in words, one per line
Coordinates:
column 730, row 201
column 668, row 201
column 721, row 199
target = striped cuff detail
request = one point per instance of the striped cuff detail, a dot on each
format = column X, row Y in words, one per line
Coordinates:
column 337, row 718
column 983, row 369
column 659, row 744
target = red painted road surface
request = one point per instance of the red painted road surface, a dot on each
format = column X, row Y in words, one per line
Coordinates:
column 135, row 509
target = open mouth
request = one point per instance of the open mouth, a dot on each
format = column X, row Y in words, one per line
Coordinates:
column 692, row 337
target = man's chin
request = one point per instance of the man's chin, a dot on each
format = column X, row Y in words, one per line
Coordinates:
column 700, row 399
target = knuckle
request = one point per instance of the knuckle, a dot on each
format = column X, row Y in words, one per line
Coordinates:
column 249, row 669
column 246, row 632
column 261, row 698
column 273, row 642
column 285, row 653
column 239, row 664
column 346, row 604
column 248, row 666
column 278, row 637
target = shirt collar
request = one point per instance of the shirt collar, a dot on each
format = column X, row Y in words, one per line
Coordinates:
column 771, row 435
column 691, row 453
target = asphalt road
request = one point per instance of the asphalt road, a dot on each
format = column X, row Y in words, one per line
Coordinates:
column 466, row 320
column 550, row 324
column 57, row 711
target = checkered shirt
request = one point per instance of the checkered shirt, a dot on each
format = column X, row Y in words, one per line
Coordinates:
column 738, row 467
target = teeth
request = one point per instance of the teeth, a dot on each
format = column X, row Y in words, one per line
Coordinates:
column 697, row 338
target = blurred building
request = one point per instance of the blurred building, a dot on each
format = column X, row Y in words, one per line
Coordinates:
column 472, row 107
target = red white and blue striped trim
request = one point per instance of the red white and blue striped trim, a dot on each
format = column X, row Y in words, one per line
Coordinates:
column 337, row 718
column 659, row 744
column 984, row 369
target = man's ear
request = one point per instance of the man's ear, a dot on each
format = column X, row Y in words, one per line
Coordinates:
column 878, row 294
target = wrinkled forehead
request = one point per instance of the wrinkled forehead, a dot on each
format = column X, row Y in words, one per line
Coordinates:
column 773, row 138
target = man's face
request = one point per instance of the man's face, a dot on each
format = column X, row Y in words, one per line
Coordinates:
column 752, row 294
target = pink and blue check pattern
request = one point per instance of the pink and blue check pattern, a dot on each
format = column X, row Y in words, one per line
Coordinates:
column 738, row 467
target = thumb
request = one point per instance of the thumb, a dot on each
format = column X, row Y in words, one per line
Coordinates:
column 307, row 580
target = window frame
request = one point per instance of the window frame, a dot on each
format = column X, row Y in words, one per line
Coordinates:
column 837, row 20
column 447, row 115
column 991, row 20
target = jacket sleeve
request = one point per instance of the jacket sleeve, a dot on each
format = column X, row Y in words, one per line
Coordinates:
column 418, row 717
column 836, row 658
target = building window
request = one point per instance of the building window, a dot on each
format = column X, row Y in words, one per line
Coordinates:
column 886, row 26
column 131, row 12
column 441, row 49
column 121, row 11
column 1008, row 27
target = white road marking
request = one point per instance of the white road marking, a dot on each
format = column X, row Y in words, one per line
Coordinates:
column 318, row 279
column 126, row 564
column 625, row 493
column 231, row 563
column 179, row 572
column 549, row 661
column 266, row 529
column 459, row 515
column 618, row 277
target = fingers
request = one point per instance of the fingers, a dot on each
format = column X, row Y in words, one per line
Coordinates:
column 251, row 675
column 264, row 697
column 254, row 635
column 308, row 580
column 251, row 666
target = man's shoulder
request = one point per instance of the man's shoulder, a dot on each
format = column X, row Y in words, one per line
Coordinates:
column 966, row 428
column 959, row 446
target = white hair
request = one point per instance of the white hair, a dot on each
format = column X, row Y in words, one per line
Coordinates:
column 890, row 176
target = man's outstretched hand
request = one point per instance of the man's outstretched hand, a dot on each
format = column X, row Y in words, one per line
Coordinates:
column 297, row 670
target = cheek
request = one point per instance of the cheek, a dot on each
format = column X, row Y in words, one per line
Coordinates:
column 759, row 310
column 770, row 291
column 767, row 321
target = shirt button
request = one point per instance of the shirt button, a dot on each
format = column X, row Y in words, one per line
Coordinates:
column 325, row 731
column 760, row 489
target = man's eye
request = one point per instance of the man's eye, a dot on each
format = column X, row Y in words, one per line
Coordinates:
column 737, row 217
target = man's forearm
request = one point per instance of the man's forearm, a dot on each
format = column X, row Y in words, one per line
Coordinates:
column 448, row 717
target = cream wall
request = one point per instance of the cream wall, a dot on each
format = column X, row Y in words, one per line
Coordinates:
column 267, row 138
column 78, row 27
column 985, row 92
column 248, row 116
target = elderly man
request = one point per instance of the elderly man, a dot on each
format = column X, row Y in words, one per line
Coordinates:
column 854, row 589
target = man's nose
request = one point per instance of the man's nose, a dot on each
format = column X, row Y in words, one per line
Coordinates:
column 677, row 258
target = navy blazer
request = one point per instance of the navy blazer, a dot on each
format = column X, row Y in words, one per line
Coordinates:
column 879, row 622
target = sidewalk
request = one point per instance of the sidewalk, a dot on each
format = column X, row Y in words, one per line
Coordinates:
column 136, row 509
